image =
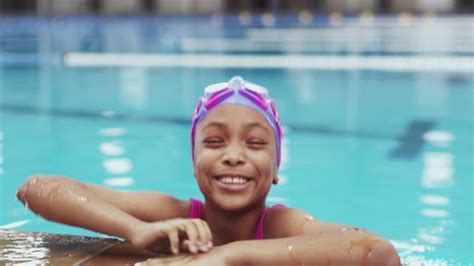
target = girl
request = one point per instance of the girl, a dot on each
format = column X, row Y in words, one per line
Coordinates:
column 236, row 152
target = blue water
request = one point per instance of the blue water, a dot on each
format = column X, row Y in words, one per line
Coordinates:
column 387, row 151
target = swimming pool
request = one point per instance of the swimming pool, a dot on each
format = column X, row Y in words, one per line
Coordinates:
column 372, row 141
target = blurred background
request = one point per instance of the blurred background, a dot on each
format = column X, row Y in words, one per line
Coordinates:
column 207, row 7
column 376, row 100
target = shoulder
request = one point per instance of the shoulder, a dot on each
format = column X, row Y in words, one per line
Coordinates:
column 282, row 222
column 287, row 222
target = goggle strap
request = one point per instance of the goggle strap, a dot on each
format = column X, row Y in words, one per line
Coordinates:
column 254, row 97
column 218, row 97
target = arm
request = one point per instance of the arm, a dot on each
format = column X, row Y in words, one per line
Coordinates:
column 294, row 238
column 297, row 239
column 322, row 250
column 100, row 209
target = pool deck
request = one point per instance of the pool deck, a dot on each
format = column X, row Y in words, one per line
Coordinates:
column 43, row 248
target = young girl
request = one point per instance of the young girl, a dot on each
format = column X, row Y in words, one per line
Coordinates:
column 236, row 152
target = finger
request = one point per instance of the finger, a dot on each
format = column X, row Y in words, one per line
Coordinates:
column 192, row 232
column 186, row 245
column 204, row 235
column 207, row 233
column 174, row 241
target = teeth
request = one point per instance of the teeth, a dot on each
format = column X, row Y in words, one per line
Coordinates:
column 233, row 180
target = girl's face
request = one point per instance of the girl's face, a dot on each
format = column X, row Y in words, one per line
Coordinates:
column 235, row 157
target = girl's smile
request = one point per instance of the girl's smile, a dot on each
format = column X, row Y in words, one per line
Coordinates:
column 233, row 182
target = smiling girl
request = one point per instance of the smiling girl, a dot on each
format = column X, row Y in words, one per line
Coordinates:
column 236, row 151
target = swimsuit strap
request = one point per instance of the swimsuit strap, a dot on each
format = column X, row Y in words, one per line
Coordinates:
column 259, row 233
column 196, row 209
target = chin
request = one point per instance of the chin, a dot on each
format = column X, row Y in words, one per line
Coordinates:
column 232, row 203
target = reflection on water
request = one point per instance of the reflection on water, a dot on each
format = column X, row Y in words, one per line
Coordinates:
column 438, row 138
column 438, row 171
column 14, row 224
column 437, row 176
column 23, row 249
column 115, row 166
column 134, row 87
column 113, row 132
column 119, row 166
column 111, row 148
column 119, row 181
column 40, row 248
column 434, row 200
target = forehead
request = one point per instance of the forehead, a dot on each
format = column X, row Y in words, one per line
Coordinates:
column 235, row 115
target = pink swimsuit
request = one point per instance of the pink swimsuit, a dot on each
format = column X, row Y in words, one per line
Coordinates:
column 196, row 211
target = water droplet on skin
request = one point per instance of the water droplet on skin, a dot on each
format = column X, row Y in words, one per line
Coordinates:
column 309, row 246
column 366, row 245
column 355, row 229
column 352, row 253
column 307, row 218
column 291, row 253
column 82, row 199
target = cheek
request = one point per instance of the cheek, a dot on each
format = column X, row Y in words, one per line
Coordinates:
column 202, row 161
column 266, row 163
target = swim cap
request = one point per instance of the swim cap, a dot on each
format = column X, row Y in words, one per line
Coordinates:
column 238, row 91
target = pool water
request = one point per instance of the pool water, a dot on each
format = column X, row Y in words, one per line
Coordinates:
column 390, row 151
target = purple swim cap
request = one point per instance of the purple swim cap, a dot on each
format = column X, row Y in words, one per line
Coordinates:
column 238, row 91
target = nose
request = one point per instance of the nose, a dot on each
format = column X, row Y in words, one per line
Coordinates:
column 234, row 155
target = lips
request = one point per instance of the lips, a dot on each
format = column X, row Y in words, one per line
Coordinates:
column 233, row 182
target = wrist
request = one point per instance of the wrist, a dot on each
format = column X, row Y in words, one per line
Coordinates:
column 134, row 231
column 228, row 253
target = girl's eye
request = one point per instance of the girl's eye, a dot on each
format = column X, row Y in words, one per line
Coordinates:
column 212, row 141
column 256, row 142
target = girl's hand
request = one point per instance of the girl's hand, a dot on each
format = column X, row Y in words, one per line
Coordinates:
column 192, row 235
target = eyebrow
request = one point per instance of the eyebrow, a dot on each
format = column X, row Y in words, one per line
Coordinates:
column 214, row 124
column 246, row 126
column 256, row 124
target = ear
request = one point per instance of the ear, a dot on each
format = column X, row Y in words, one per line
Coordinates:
column 275, row 181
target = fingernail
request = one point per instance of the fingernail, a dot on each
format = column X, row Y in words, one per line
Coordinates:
column 193, row 248
column 209, row 244
column 204, row 248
